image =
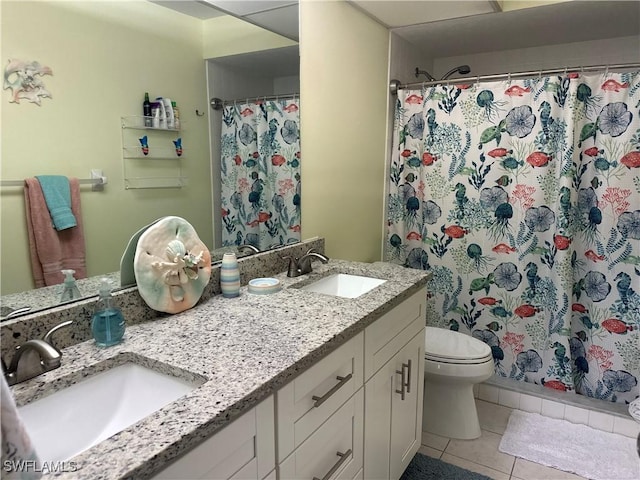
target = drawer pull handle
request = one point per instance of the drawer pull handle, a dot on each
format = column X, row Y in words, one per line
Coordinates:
column 405, row 380
column 341, row 381
column 343, row 457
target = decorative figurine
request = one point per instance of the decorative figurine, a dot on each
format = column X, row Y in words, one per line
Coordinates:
column 23, row 79
column 145, row 145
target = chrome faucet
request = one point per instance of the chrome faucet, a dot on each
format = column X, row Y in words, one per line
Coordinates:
column 302, row 265
column 248, row 246
column 49, row 357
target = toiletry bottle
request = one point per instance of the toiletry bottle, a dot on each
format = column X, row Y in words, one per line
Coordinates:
column 176, row 116
column 107, row 323
column 163, row 113
column 146, row 110
column 168, row 110
column 70, row 290
column 155, row 114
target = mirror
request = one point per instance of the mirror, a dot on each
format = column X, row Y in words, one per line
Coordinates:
column 126, row 49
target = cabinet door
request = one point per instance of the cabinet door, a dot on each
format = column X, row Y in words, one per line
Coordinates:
column 406, row 413
column 393, row 425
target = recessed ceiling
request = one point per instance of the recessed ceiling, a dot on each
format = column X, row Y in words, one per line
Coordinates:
column 402, row 13
column 567, row 22
column 278, row 16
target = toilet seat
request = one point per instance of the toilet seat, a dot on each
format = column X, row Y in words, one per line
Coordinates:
column 448, row 346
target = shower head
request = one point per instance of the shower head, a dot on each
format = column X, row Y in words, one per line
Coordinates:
column 430, row 78
column 462, row 70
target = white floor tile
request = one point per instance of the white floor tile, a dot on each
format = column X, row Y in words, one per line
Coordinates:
column 529, row 403
column 508, row 398
column 488, row 393
column 492, row 417
column 474, row 467
column 527, row 470
column 601, row 421
column 576, row 414
column 552, row 409
column 483, row 450
column 626, row 426
column 430, row 452
column 434, row 441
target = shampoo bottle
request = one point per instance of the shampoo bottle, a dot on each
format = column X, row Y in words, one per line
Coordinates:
column 163, row 113
column 176, row 116
column 107, row 323
column 168, row 110
column 70, row 290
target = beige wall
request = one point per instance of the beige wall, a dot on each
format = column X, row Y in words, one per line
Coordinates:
column 343, row 84
column 230, row 36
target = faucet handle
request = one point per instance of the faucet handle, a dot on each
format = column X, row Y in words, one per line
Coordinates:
column 47, row 336
column 292, row 270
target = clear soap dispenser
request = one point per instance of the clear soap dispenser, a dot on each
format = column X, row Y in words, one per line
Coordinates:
column 107, row 323
column 70, row 290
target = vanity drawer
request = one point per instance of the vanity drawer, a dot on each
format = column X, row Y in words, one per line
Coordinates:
column 336, row 448
column 306, row 402
column 243, row 450
column 384, row 338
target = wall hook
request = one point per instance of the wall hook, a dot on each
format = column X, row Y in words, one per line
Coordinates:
column 199, row 113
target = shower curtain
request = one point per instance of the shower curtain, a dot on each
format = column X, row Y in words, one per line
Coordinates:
column 260, row 165
column 523, row 200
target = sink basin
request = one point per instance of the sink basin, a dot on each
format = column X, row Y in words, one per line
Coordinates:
column 344, row 285
column 78, row 417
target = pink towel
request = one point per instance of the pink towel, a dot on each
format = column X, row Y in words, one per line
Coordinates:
column 51, row 250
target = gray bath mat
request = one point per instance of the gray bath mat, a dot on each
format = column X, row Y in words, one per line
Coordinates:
column 570, row 447
column 423, row 467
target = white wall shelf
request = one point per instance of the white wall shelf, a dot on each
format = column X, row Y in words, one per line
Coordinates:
column 161, row 166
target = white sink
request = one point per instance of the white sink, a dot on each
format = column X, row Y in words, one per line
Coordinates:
column 344, row 285
column 78, row 417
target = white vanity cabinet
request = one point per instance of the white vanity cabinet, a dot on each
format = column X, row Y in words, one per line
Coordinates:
column 394, row 371
column 243, row 450
column 355, row 414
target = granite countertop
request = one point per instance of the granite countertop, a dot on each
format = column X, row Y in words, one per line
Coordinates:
column 244, row 349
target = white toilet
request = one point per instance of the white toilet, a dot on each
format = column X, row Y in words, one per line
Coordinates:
column 453, row 364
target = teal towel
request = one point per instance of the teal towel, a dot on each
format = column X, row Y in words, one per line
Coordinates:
column 57, row 196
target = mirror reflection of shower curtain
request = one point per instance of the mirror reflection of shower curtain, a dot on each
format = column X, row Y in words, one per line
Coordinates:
column 260, row 148
column 523, row 200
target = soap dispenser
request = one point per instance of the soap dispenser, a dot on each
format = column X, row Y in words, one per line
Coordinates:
column 107, row 323
column 70, row 290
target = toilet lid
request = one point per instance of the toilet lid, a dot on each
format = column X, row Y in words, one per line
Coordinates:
column 448, row 344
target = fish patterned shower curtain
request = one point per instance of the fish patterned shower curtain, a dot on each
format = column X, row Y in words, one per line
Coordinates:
column 523, row 200
column 260, row 165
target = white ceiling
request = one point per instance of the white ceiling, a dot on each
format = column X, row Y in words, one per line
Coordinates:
column 400, row 13
column 279, row 16
column 444, row 28
column 567, row 22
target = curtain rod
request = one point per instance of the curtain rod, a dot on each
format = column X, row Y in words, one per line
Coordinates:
column 217, row 103
column 395, row 85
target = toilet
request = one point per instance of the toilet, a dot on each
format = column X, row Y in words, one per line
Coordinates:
column 453, row 364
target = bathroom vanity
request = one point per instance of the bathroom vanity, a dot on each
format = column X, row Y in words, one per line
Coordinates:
column 285, row 378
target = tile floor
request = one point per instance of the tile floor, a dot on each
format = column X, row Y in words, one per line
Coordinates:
column 482, row 455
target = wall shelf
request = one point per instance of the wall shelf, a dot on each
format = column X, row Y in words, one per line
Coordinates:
column 161, row 167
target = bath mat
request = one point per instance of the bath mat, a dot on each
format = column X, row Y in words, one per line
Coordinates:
column 570, row 447
column 423, row 467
